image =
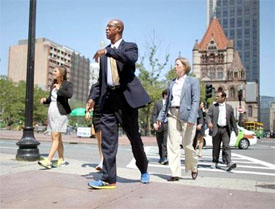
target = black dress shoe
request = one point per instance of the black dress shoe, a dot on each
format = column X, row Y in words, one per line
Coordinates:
column 173, row 178
column 231, row 166
column 194, row 174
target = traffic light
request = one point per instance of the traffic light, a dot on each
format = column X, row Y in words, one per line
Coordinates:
column 208, row 91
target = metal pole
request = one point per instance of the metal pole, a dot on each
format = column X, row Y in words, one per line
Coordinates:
column 28, row 144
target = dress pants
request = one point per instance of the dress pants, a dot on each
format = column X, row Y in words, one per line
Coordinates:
column 117, row 111
column 221, row 136
column 178, row 130
column 162, row 141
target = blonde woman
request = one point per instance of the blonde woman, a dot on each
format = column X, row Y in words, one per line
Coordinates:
column 181, row 109
column 59, row 109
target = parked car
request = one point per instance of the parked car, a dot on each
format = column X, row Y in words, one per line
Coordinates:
column 244, row 139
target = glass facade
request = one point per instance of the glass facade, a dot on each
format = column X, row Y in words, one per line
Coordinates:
column 240, row 21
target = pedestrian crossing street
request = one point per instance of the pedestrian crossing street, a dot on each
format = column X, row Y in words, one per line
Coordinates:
column 245, row 164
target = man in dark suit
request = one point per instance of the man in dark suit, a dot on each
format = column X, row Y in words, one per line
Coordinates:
column 221, row 122
column 162, row 131
column 119, row 94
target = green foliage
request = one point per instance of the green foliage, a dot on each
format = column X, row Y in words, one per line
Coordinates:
column 149, row 77
column 12, row 103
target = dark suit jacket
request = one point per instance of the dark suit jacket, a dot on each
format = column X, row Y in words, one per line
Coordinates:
column 126, row 56
column 156, row 109
column 213, row 115
column 63, row 94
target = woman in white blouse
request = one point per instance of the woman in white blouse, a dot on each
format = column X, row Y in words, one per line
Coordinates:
column 181, row 108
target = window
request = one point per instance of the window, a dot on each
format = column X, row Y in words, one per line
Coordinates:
column 239, row 44
column 239, row 22
column 212, row 73
column 220, row 89
column 232, row 92
column 212, row 58
column 232, row 22
column 239, row 11
column 235, row 75
column 225, row 13
column 247, row 22
column 242, row 74
column 204, row 72
column 225, row 23
column 246, row 32
column 246, row 44
column 250, row 111
column 220, row 73
column 232, row 11
column 232, row 34
column 239, row 34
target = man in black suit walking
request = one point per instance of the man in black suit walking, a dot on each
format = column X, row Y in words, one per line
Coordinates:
column 221, row 121
column 162, row 131
column 119, row 94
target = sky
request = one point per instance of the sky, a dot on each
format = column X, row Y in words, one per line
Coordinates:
column 173, row 25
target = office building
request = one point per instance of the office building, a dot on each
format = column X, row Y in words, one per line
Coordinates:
column 48, row 55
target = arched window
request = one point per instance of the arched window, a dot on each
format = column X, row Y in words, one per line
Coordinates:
column 235, row 75
column 242, row 75
column 203, row 72
column 220, row 73
column 212, row 73
column 220, row 89
column 212, row 58
column 232, row 92
column 250, row 111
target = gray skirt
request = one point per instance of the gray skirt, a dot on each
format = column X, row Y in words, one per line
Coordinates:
column 56, row 121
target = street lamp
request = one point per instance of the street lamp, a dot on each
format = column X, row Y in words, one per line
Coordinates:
column 240, row 96
column 28, row 144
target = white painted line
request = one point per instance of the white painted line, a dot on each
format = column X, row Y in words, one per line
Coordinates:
column 270, row 165
column 8, row 147
column 220, row 170
column 132, row 164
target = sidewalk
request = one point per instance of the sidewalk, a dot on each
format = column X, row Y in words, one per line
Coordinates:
column 25, row 185
column 123, row 140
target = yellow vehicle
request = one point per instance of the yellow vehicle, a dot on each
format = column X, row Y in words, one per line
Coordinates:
column 255, row 126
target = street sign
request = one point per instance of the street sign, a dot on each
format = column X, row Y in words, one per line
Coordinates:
column 240, row 109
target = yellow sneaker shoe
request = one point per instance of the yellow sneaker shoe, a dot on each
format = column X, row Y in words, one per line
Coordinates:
column 45, row 163
column 58, row 163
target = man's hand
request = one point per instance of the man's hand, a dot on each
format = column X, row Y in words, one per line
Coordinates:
column 90, row 105
column 210, row 125
column 98, row 54
column 158, row 123
column 156, row 126
column 199, row 127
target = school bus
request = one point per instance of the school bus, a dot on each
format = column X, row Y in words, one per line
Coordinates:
column 255, row 126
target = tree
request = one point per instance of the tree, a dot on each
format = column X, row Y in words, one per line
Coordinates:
column 12, row 103
column 149, row 77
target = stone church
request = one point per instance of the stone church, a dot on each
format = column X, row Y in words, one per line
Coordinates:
column 217, row 62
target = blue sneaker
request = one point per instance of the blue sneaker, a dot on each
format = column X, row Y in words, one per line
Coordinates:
column 101, row 185
column 145, row 177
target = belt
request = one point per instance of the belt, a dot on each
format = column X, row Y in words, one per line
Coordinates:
column 112, row 88
column 177, row 107
column 221, row 126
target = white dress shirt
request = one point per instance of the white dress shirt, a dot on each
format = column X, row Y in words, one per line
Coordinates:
column 109, row 69
column 222, row 114
column 176, row 91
